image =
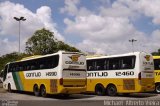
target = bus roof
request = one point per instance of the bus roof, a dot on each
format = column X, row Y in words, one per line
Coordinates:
column 118, row 55
column 91, row 56
column 30, row 57
column 41, row 56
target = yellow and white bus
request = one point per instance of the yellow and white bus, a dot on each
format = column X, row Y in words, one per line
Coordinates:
column 126, row 73
column 58, row 73
column 157, row 73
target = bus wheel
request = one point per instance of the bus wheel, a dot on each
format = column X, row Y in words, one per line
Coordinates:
column 43, row 91
column 65, row 95
column 9, row 88
column 100, row 90
column 157, row 88
column 36, row 90
column 111, row 90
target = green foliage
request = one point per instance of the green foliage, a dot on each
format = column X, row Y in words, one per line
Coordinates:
column 62, row 46
column 43, row 42
column 156, row 53
column 10, row 58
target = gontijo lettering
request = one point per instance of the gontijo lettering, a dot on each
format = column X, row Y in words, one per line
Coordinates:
column 33, row 74
column 74, row 60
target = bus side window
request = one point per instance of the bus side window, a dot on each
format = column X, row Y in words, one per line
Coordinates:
column 128, row 62
column 100, row 64
column 10, row 69
column 124, row 66
column 114, row 64
column 106, row 64
column 32, row 67
column 17, row 68
column 24, row 66
column 5, row 72
column 20, row 66
column 28, row 67
column 41, row 66
column 90, row 68
column 56, row 61
column 90, row 65
column 49, row 63
column 98, row 67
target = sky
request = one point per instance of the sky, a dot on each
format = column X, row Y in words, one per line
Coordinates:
column 99, row 26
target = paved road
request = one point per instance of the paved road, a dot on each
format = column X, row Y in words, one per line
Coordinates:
column 28, row 99
column 30, row 96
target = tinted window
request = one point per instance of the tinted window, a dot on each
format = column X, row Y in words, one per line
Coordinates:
column 35, row 64
column 128, row 62
column 157, row 64
column 5, row 72
column 97, row 64
column 101, row 64
column 116, row 63
column 91, row 65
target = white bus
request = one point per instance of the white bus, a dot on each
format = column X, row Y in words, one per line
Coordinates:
column 126, row 73
column 58, row 73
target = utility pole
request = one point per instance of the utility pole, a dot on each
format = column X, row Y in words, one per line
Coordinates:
column 19, row 20
column 132, row 41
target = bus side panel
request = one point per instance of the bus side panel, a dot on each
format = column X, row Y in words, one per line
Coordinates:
column 9, row 80
column 29, row 84
column 18, row 80
column 125, row 85
column 122, row 85
column 52, row 85
column 24, row 84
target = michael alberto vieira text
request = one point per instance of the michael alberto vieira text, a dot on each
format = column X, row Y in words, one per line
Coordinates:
column 132, row 102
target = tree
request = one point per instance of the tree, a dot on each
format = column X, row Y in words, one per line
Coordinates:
column 10, row 58
column 43, row 42
column 62, row 46
column 156, row 53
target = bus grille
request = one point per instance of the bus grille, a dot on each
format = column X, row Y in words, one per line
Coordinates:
column 53, row 86
column 129, row 84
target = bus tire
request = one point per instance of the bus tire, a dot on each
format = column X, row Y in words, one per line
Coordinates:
column 157, row 88
column 65, row 95
column 36, row 90
column 111, row 90
column 9, row 88
column 126, row 94
column 99, row 90
column 43, row 91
